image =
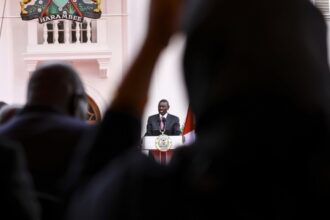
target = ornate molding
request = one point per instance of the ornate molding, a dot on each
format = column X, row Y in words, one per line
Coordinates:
column 103, row 58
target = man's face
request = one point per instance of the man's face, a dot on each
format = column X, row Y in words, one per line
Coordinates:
column 162, row 108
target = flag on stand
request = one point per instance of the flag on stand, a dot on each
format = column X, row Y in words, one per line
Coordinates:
column 188, row 132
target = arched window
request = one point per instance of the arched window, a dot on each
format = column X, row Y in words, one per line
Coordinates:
column 93, row 114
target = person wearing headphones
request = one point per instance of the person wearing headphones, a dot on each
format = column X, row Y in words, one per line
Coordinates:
column 49, row 127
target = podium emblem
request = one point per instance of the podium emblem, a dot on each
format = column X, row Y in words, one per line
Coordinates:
column 163, row 143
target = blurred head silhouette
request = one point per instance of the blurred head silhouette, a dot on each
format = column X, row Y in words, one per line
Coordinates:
column 8, row 111
column 57, row 85
column 2, row 104
column 249, row 63
column 257, row 77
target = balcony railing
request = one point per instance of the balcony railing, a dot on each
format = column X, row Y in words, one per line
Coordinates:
column 69, row 40
column 68, row 33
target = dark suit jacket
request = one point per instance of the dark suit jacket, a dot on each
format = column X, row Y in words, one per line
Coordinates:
column 172, row 125
column 49, row 139
column 17, row 200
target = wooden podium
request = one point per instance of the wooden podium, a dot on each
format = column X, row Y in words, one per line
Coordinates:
column 161, row 147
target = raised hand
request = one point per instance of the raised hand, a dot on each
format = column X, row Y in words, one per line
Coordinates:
column 164, row 20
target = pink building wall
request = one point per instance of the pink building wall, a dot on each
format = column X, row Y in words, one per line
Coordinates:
column 124, row 32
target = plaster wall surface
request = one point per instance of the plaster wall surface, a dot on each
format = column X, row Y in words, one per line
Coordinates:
column 125, row 30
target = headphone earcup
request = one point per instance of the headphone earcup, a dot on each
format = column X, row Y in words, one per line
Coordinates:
column 78, row 107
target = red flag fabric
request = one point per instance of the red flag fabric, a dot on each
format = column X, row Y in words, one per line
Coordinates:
column 188, row 132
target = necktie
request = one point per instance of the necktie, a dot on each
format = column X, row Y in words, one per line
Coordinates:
column 162, row 123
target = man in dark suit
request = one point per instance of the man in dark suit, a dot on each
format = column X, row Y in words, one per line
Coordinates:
column 49, row 127
column 163, row 122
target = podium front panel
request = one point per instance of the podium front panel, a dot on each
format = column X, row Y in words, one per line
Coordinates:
column 149, row 142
